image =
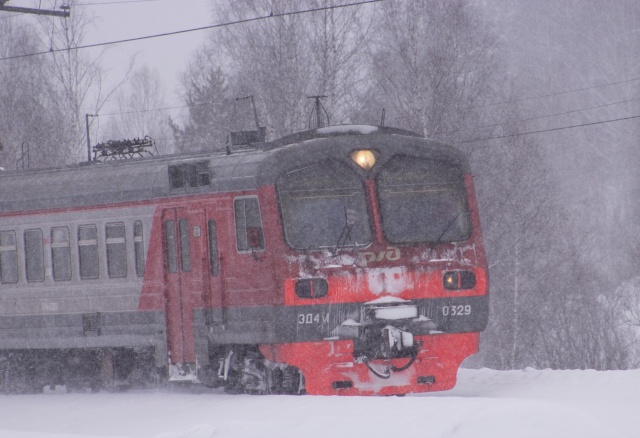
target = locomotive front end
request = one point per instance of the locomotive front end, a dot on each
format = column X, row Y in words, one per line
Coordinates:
column 385, row 285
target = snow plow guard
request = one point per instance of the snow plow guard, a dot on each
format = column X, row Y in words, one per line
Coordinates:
column 330, row 368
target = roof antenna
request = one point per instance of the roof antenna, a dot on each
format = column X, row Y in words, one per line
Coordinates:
column 318, row 110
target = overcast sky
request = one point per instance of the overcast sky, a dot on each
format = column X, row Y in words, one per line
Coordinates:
column 122, row 19
column 119, row 20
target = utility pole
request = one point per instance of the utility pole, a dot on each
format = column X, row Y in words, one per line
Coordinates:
column 86, row 119
column 65, row 12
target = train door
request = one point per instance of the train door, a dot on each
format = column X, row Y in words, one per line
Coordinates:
column 184, row 249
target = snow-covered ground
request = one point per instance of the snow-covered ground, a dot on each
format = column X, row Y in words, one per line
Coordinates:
column 485, row 403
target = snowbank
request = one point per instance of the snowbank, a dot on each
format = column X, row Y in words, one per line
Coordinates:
column 485, row 403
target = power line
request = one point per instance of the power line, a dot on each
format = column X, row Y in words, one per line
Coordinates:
column 196, row 29
column 282, row 15
column 440, row 133
column 540, row 117
column 574, row 90
column 152, row 109
column 547, row 130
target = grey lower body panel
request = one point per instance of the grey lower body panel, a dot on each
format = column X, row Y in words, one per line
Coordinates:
column 236, row 325
column 138, row 329
column 312, row 323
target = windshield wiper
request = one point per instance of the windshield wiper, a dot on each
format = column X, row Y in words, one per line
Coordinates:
column 447, row 228
column 345, row 235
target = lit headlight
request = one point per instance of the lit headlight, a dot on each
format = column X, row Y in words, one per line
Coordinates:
column 457, row 280
column 364, row 158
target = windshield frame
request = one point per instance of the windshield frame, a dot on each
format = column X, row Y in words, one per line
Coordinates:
column 339, row 242
column 460, row 190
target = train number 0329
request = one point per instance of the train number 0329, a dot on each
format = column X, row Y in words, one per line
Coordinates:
column 457, row 310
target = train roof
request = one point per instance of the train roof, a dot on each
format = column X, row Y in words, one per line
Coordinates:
column 141, row 179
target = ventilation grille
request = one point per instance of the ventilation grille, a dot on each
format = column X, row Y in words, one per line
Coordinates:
column 91, row 324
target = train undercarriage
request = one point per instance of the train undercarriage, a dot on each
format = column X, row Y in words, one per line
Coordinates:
column 79, row 370
column 243, row 369
column 238, row 369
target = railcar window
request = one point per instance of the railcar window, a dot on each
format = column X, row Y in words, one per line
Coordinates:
column 170, row 244
column 214, row 262
column 189, row 175
column 60, row 253
column 422, row 201
column 88, row 256
column 249, row 230
column 324, row 206
column 138, row 248
column 116, row 250
column 8, row 257
column 185, row 249
column 34, row 255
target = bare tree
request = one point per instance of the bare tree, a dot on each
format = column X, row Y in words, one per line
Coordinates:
column 337, row 42
column 73, row 75
column 268, row 59
column 206, row 95
column 29, row 115
column 432, row 63
column 139, row 111
column 591, row 243
column 284, row 59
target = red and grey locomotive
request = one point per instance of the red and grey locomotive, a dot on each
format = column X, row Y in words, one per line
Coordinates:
column 341, row 260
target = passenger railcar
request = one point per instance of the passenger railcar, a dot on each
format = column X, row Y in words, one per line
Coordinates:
column 342, row 260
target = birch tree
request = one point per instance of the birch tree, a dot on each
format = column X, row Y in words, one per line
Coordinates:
column 284, row 59
column 432, row 63
column 29, row 114
column 75, row 76
column 140, row 112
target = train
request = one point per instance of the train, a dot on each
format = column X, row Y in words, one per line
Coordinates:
column 342, row 260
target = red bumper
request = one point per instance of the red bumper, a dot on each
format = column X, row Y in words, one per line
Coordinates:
column 329, row 367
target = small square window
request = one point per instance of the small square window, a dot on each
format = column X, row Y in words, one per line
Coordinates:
column 189, row 175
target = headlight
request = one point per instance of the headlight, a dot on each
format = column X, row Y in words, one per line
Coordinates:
column 364, row 158
column 312, row 288
column 457, row 280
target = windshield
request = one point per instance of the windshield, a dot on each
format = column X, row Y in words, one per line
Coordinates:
column 323, row 206
column 422, row 201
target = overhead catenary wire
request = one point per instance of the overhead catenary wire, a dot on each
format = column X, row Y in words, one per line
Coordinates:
column 155, row 109
column 559, row 93
column 439, row 133
column 194, row 29
column 518, row 134
column 540, row 117
column 311, row 11
column 273, row 15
